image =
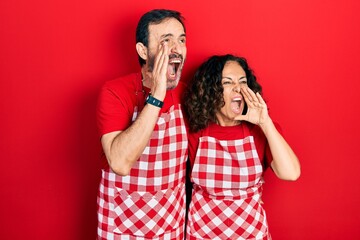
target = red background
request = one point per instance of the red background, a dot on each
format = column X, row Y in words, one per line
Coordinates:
column 55, row 55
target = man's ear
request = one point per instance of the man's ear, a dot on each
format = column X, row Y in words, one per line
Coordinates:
column 141, row 50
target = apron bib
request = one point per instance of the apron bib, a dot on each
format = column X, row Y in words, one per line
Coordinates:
column 227, row 177
column 149, row 203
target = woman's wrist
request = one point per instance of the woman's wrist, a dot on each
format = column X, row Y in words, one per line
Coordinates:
column 267, row 125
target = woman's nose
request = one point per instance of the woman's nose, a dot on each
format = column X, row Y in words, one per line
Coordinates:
column 237, row 88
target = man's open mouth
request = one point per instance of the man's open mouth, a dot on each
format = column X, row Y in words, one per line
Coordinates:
column 174, row 64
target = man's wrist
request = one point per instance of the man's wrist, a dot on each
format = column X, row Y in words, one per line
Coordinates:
column 154, row 101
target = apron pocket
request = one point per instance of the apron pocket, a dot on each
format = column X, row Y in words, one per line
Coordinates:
column 149, row 214
column 212, row 217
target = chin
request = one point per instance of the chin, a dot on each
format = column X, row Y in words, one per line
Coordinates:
column 171, row 84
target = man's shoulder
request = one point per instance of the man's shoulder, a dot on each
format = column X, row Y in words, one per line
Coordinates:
column 123, row 82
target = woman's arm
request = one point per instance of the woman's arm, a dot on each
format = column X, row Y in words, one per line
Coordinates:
column 285, row 163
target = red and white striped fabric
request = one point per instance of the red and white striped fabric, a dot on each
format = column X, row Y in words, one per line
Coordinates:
column 149, row 203
column 225, row 204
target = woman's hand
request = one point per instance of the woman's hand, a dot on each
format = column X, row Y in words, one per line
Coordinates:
column 257, row 112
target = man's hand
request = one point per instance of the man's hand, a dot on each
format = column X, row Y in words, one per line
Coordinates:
column 158, row 75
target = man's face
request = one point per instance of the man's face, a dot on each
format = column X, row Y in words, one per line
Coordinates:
column 172, row 32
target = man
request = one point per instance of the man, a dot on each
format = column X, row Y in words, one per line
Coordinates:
column 143, row 135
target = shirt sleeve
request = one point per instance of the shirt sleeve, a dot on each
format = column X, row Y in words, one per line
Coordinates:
column 112, row 111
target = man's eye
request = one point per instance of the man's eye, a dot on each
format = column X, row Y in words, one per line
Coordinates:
column 165, row 40
column 183, row 40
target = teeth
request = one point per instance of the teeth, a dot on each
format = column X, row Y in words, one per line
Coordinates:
column 175, row 61
column 237, row 99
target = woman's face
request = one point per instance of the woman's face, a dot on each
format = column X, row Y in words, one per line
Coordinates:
column 233, row 78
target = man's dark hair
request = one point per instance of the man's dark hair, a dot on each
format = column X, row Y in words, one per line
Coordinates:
column 155, row 16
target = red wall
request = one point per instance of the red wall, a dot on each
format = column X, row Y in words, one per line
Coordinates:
column 54, row 56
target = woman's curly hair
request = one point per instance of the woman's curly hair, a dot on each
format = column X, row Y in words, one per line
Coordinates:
column 205, row 94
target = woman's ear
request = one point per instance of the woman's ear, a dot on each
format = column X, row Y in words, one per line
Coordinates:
column 141, row 50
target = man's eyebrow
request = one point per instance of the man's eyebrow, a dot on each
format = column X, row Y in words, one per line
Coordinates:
column 167, row 35
column 171, row 35
column 242, row 77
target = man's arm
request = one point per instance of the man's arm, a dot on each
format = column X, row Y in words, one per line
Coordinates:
column 123, row 148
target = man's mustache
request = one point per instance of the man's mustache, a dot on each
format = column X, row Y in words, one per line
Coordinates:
column 171, row 56
column 174, row 55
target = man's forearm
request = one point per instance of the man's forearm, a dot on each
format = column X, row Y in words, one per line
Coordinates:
column 123, row 149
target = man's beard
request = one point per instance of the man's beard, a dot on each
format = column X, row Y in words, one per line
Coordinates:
column 151, row 62
column 170, row 84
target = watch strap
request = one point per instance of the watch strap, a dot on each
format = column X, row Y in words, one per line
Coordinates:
column 153, row 101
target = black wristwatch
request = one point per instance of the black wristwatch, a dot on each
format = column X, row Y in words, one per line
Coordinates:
column 153, row 101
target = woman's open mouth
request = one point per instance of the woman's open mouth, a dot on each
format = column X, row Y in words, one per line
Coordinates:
column 236, row 105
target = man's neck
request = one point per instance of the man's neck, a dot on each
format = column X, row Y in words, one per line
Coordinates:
column 146, row 80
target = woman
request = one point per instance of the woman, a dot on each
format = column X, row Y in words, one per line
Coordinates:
column 232, row 140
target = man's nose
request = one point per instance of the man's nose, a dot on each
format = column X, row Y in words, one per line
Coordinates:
column 175, row 47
